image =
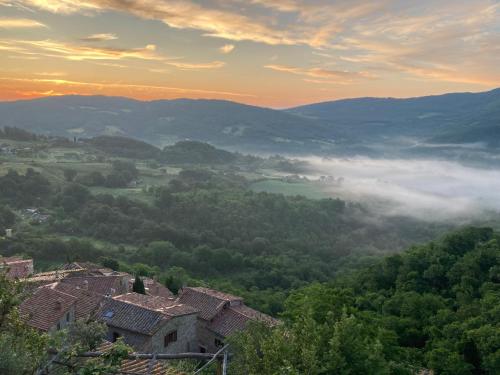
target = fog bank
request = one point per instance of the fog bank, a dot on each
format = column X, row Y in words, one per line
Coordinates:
column 427, row 189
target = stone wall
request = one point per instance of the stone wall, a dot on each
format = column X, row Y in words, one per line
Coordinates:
column 186, row 335
column 65, row 320
column 136, row 340
column 206, row 338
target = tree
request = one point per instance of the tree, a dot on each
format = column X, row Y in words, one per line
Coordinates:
column 138, row 286
column 110, row 263
column 23, row 349
column 70, row 174
column 173, row 284
column 7, row 218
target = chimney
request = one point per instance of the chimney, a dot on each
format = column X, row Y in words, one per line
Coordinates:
column 59, row 304
column 85, row 285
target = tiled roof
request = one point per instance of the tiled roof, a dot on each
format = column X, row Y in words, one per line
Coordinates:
column 210, row 302
column 169, row 307
column 49, row 277
column 130, row 317
column 18, row 267
column 87, row 302
column 235, row 318
column 152, row 287
column 140, row 366
column 103, row 285
column 215, row 293
column 46, row 307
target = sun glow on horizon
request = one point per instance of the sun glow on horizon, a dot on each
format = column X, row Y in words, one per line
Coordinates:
column 275, row 54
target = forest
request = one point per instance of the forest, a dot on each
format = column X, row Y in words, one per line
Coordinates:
column 435, row 306
column 203, row 226
column 367, row 293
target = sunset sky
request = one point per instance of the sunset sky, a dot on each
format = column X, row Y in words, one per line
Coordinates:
column 276, row 53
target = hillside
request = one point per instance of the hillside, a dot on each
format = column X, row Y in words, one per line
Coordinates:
column 222, row 123
column 435, row 306
column 454, row 126
column 453, row 118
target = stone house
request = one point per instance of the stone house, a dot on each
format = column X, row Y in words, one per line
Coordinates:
column 221, row 314
column 48, row 309
column 55, row 305
column 17, row 268
column 150, row 323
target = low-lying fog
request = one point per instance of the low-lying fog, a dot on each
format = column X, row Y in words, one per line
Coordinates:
column 426, row 189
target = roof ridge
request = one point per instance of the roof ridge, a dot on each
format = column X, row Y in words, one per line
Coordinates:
column 57, row 291
column 135, row 303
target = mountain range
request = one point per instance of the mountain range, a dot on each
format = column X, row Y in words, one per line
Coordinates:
column 370, row 126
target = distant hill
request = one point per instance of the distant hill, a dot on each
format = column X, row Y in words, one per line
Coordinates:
column 449, row 118
column 193, row 152
column 124, row 147
column 443, row 125
column 162, row 122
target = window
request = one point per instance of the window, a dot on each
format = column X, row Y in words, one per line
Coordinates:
column 218, row 343
column 203, row 349
column 170, row 337
column 58, row 326
column 116, row 335
column 67, row 317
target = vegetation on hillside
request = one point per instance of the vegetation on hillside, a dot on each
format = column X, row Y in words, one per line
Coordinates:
column 211, row 226
column 314, row 263
column 436, row 306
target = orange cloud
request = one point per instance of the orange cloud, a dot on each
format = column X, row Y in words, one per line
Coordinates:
column 325, row 75
column 99, row 37
column 77, row 52
column 197, row 66
column 220, row 22
column 226, row 48
column 136, row 90
column 19, row 23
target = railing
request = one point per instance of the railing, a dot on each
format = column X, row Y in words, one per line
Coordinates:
column 221, row 356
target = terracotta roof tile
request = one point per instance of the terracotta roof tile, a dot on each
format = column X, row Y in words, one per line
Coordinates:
column 46, row 307
column 87, row 302
column 103, row 285
column 152, row 287
column 235, row 318
column 168, row 306
column 49, row 277
column 140, row 366
column 210, row 302
column 130, row 317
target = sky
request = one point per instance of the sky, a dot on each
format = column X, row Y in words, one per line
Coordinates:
column 274, row 53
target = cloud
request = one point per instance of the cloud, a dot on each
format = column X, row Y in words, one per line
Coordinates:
column 220, row 21
column 445, row 41
column 19, row 23
column 324, row 75
column 100, row 37
column 226, row 48
column 196, row 66
column 75, row 52
column 51, row 74
column 71, row 86
column 213, row 22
